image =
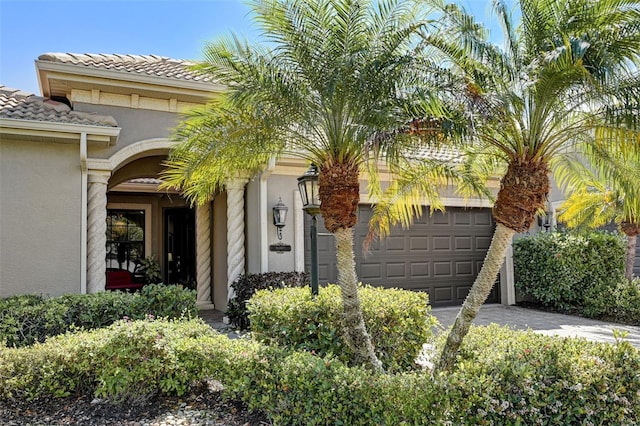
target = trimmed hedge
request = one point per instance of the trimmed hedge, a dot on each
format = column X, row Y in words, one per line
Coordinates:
column 398, row 322
column 27, row 319
column 504, row 377
column 245, row 286
column 570, row 272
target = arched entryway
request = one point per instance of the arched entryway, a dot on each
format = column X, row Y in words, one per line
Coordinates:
column 130, row 218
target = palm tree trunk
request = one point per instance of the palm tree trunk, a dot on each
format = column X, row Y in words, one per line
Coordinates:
column 358, row 338
column 477, row 295
column 631, row 256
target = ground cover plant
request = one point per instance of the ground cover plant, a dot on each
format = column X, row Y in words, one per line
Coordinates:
column 27, row 319
column 502, row 377
column 581, row 273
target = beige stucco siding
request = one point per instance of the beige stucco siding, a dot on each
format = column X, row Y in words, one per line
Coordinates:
column 40, row 196
column 137, row 125
column 282, row 187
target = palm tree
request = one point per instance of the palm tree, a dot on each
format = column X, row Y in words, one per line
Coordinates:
column 600, row 196
column 530, row 101
column 335, row 85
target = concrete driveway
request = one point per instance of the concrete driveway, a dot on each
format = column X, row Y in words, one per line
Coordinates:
column 543, row 322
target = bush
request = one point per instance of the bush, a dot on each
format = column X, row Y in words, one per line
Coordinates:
column 27, row 319
column 397, row 320
column 620, row 303
column 246, row 285
column 569, row 272
column 510, row 377
column 503, row 377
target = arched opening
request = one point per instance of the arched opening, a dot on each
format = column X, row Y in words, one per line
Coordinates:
column 147, row 225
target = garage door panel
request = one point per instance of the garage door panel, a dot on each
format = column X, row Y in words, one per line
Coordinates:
column 463, row 243
column 440, row 218
column 396, row 270
column 442, row 269
column 418, row 243
column 441, row 243
column 462, row 218
column 440, row 254
column 395, row 243
column 419, row 269
column 369, row 271
column 464, row 268
column 483, row 243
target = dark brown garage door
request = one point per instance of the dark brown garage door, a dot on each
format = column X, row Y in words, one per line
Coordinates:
column 440, row 254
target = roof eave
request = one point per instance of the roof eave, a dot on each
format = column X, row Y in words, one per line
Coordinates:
column 170, row 85
column 67, row 131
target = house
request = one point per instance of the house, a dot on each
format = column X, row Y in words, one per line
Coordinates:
column 80, row 204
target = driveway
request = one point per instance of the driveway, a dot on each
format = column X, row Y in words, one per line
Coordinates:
column 543, row 322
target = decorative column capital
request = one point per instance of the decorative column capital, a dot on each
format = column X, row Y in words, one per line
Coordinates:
column 236, row 183
column 98, row 176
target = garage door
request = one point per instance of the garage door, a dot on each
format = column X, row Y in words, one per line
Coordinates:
column 440, row 254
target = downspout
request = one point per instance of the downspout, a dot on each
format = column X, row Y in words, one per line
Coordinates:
column 83, row 213
column 264, row 216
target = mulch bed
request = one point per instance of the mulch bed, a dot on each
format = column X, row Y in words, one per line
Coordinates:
column 87, row 411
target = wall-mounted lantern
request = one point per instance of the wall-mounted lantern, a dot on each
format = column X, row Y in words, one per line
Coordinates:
column 308, row 186
column 280, row 216
column 545, row 220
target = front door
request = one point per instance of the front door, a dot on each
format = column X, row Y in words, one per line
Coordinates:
column 180, row 248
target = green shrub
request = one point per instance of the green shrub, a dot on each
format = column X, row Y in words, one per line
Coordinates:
column 128, row 361
column 245, row 286
column 397, row 320
column 619, row 303
column 566, row 271
column 27, row 319
column 503, row 377
column 512, row 377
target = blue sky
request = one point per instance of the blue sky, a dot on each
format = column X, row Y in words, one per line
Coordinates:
column 174, row 28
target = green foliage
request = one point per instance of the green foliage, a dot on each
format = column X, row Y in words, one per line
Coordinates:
column 167, row 301
column 27, row 319
column 503, row 377
column 398, row 322
column 149, row 267
column 128, row 361
column 620, row 303
column 245, row 287
column 515, row 378
column 569, row 271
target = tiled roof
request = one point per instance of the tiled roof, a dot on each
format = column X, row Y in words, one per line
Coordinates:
column 26, row 106
column 441, row 153
column 151, row 65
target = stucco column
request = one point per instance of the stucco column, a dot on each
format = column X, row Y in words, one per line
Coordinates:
column 203, row 256
column 96, row 231
column 235, row 232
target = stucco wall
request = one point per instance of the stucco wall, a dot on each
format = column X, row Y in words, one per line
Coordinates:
column 220, row 246
column 252, row 226
column 136, row 124
column 282, row 187
column 40, row 196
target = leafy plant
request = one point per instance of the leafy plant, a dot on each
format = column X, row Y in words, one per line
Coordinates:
column 569, row 271
column 149, row 267
column 245, row 286
column 27, row 319
column 398, row 320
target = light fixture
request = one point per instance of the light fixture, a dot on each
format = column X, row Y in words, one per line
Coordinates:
column 280, row 216
column 308, row 186
column 545, row 220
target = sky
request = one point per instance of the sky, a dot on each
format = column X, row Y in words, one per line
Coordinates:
column 177, row 29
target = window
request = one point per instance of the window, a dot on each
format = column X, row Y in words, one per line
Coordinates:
column 125, row 238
